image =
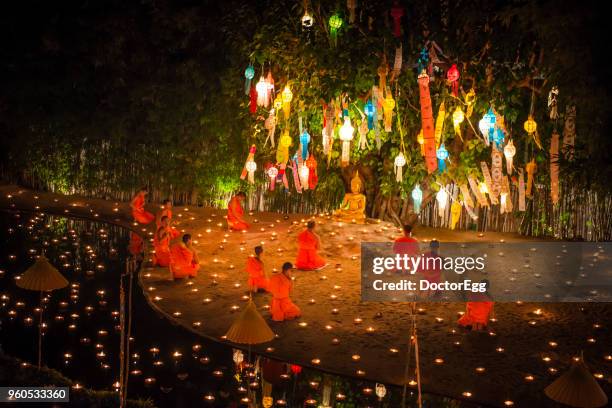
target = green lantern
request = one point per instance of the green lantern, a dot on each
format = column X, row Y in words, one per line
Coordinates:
column 335, row 22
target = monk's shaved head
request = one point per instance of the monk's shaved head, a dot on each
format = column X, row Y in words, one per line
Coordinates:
column 311, row 224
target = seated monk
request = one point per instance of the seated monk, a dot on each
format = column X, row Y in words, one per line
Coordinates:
column 477, row 311
column 166, row 211
column 255, row 269
column 235, row 213
column 183, row 259
column 279, row 286
column 406, row 244
column 308, row 245
column 138, row 211
column 161, row 244
column 353, row 206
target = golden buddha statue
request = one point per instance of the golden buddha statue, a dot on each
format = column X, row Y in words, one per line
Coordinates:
column 353, row 206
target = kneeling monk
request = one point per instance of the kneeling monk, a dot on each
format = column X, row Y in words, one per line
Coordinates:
column 255, row 269
column 279, row 286
column 183, row 259
column 166, row 211
column 235, row 213
column 138, row 211
column 477, row 310
column 308, row 245
column 161, row 244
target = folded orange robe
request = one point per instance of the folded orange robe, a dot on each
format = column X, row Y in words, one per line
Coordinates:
column 476, row 312
column 282, row 308
column 234, row 215
column 257, row 279
column 138, row 211
column 162, row 249
column 307, row 257
column 136, row 245
column 174, row 233
column 182, row 263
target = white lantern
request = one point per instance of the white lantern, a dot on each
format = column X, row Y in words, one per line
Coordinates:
column 381, row 391
column 251, row 166
column 502, row 204
column 304, row 172
column 263, row 92
column 442, row 198
column 272, row 173
column 400, row 161
column 346, row 135
column 238, row 357
column 483, row 125
column 509, row 152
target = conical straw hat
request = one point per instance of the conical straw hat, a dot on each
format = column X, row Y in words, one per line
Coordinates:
column 250, row 327
column 42, row 276
column 577, row 388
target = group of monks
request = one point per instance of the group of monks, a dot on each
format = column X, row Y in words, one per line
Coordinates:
column 179, row 257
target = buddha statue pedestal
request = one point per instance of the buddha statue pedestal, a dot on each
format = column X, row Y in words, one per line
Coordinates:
column 352, row 209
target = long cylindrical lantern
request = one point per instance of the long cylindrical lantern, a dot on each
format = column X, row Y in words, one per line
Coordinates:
column 287, row 97
column 304, row 141
column 250, row 167
column 554, row 167
column 249, row 74
column 399, row 163
column 442, row 199
column 427, row 123
column 250, row 158
column 313, row 178
column 440, row 124
column 531, row 169
column 442, row 155
column 272, row 173
column 346, row 135
column 509, row 152
column 417, row 198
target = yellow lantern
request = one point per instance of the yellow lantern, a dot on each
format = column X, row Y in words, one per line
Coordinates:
column 421, row 141
column 483, row 188
column 287, row 98
column 530, row 125
column 458, row 117
column 388, row 106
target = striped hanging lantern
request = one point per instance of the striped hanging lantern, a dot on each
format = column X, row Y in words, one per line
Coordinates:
column 417, row 198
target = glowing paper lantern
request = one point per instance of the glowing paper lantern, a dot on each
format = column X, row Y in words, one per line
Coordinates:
column 554, row 167
column 442, row 199
column 307, row 19
column 383, row 70
column 427, row 123
column 251, row 166
column 335, row 22
column 397, row 12
column 482, row 187
column 458, row 118
column 270, row 125
column 282, row 152
column 440, row 123
column 346, row 135
column 250, row 158
column 442, row 155
column 304, row 141
column 455, row 214
column 399, row 162
column 370, row 110
column 530, row 125
column 253, row 100
column 296, row 369
column 381, row 391
column 453, row 78
column 417, row 198
column 263, row 92
column 509, row 152
column 287, row 98
column 304, row 175
column 272, row 173
column 249, row 74
column 531, row 169
column 552, row 103
column 470, row 98
column 498, row 137
column 388, row 106
column 483, row 126
column 487, row 125
column 238, row 357
column 313, row 178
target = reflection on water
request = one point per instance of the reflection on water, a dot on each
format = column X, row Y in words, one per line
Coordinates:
column 172, row 366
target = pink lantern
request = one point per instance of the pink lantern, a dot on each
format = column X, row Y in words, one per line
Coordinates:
column 397, row 12
column 453, row 78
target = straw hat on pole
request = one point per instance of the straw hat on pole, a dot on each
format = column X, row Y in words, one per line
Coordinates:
column 250, row 327
column 577, row 388
column 41, row 277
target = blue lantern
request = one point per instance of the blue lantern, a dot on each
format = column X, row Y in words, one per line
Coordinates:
column 370, row 111
column 304, row 140
column 417, row 198
column 423, row 61
column 249, row 73
column 498, row 138
column 490, row 119
column 442, row 155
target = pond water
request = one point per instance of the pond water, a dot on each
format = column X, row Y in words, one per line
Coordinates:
column 168, row 364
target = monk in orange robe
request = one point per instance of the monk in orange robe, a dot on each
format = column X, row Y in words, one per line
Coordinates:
column 255, row 269
column 161, row 244
column 138, row 211
column 235, row 213
column 406, row 244
column 183, row 259
column 477, row 311
column 309, row 244
column 279, row 286
column 166, row 211
column 136, row 245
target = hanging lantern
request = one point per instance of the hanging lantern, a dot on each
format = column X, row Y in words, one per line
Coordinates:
column 458, row 118
column 335, row 22
column 530, row 125
column 470, row 98
column 249, row 74
column 270, row 125
column 351, row 5
column 531, row 169
column 455, row 214
column 383, row 70
column 498, row 137
column 270, row 83
column 250, row 158
column 491, row 120
column 423, row 61
column 346, row 135
column 417, row 198
column 272, row 173
column 304, row 175
column 442, row 155
column 440, row 124
column 282, row 153
column 263, row 92
column 427, row 123
column 370, row 110
column 296, row 369
column 238, row 357
column 399, row 162
column 482, row 186
column 421, row 141
column 363, row 132
column 251, row 166
column 381, row 391
column 509, row 152
column 442, row 198
column 397, row 12
column 388, row 106
column 313, row 178
column 287, row 98
column 552, row 103
column 483, row 126
column 453, row 79
column 307, row 19
column 278, row 102
column 253, row 101
column 554, row 167
column 304, row 141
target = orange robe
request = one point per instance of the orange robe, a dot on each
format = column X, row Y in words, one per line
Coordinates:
column 406, row 246
column 162, row 249
column 174, row 233
column 257, row 279
column 138, row 211
column 182, row 262
column 307, row 257
column 476, row 312
column 282, row 307
column 234, row 215
column 136, row 245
